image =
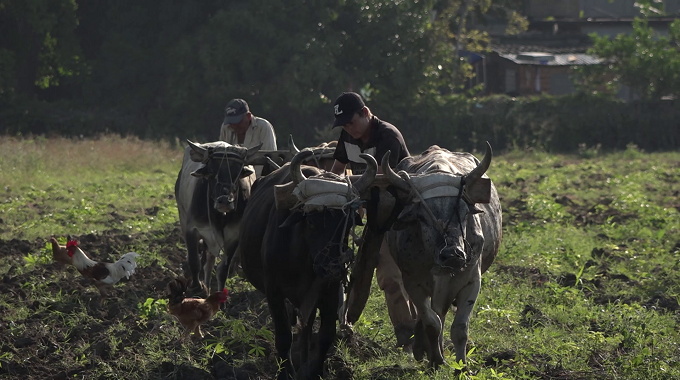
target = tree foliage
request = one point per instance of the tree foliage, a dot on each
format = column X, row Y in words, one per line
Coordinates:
column 645, row 61
column 167, row 69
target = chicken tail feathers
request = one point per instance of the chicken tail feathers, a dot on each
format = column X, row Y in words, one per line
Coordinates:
column 177, row 290
column 125, row 267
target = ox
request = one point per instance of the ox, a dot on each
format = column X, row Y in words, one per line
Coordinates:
column 443, row 240
column 211, row 192
column 301, row 254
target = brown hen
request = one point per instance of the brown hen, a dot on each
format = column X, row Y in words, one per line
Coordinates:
column 192, row 312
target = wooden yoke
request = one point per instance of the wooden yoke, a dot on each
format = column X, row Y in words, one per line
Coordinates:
column 279, row 157
column 283, row 194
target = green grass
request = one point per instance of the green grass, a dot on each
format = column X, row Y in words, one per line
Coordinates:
column 586, row 284
column 60, row 186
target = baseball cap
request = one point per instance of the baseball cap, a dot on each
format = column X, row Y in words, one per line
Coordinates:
column 235, row 110
column 346, row 105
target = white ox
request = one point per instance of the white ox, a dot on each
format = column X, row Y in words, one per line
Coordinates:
column 442, row 241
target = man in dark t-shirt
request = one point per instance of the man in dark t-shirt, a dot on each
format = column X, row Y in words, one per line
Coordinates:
column 362, row 132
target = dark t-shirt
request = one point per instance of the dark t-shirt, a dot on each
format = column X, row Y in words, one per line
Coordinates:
column 384, row 137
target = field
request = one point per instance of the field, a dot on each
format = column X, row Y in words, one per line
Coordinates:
column 586, row 285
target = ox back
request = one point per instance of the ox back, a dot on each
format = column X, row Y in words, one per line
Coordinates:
column 200, row 221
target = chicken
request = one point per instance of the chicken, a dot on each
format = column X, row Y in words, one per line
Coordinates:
column 192, row 312
column 59, row 252
column 103, row 275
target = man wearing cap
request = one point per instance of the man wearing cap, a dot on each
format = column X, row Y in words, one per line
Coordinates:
column 242, row 128
column 363, row 132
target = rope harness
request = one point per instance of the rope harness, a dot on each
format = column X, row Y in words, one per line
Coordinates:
column 232, row 187
column 440, row 226
column 318, row 198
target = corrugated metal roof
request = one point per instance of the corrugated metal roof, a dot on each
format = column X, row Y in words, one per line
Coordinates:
column 508, row 48
column 560, row 60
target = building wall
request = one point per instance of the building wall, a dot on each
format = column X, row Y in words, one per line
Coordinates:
column 507, row 77
column 610, row 9
column 602, row 29
column 537, row 79
column 540, row 9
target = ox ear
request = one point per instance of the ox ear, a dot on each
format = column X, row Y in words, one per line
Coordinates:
column 479, row 191
column 292, row 219
column 247, row 171
column 252, row 151
column 473, row 209
column 198, row 153
column 201, row 172
column 407, row 216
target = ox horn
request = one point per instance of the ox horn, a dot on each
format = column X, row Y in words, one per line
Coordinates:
column 251, row 151
column 393, row 177
column 198, row 152
column 291, row 145
column 363, row 183
column 295, row 171
column 483, row 166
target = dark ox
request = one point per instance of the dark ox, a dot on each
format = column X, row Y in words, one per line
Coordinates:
column 211, row 190
column 301, row 255
column 443, row 242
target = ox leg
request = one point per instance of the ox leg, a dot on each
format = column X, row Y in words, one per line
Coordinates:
column 234, row 264
column 459, row 329
column 194, row 261
column 283, row 337
column 398, row 304
column 431, row 324
column 328, row 310
column 208, row 266
column 225, row 265
column 303, row 345
column 419, row 341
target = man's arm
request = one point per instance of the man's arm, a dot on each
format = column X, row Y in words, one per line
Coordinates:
column 392, row 144
column 267, row 136
column 224, row 133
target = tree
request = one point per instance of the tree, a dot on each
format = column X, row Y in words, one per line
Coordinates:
column 646, row 62
column 38, row 47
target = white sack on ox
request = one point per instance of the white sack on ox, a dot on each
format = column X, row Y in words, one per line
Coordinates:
column 436, row 185
column 324, row 190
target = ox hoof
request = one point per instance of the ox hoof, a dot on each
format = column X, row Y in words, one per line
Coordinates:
column 345, row 331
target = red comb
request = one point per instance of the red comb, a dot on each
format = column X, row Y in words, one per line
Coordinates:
column 72, row 243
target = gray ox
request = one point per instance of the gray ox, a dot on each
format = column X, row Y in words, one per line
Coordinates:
column 301, row 254
column 442, row 241
column 211, row 193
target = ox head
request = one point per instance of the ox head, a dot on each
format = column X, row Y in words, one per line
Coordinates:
column 326, row 212
column 223, row 167
column 439, row 204
column 323, row 156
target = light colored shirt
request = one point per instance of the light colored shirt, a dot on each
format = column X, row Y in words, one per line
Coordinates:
column 259, row 132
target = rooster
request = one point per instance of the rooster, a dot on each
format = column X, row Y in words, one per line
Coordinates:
column 59, row 252
column 192, row 312
column 104, row 275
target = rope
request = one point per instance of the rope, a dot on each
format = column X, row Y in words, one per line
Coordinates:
column 232, row 188
column 439, row 225
column 324, row 264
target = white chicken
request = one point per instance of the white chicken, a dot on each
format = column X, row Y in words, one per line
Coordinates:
column 103, row 275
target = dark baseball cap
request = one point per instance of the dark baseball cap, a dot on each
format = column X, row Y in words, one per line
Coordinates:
column 346, row 105
column 235, row 110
